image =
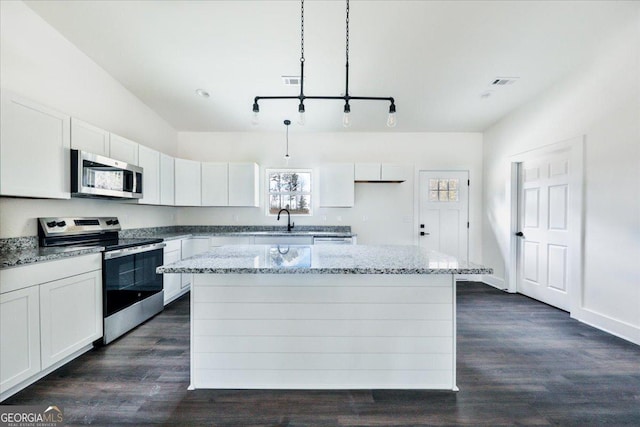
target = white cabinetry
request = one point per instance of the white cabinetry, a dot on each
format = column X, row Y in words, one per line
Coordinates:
column 149, row 160
column 337, row 185
column 34, row 149
column 381, row 172
column 50, row 312
column 230, row 240
column 90, row 138
column 19, row 336
column 187, row 183
column 215, row 184
column 244, row 184
column 172, row 282
column 123, row 149
column 191, row 247
column 70, row 315
column 167, row 180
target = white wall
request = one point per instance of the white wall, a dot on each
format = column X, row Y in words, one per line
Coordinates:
column 389, row 208
column 602, row 102
column 39, row 63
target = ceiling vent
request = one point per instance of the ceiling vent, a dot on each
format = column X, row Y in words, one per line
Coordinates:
column 291, row 80
column 504, row 81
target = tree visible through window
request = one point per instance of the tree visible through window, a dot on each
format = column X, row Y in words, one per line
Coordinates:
column 289, row 189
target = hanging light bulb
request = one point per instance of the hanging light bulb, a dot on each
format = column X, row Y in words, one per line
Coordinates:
column 391, row 120
column 346, row 117
column 255, row 119
column 301, row 116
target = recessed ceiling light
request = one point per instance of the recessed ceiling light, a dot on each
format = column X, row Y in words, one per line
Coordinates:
column 203, row 93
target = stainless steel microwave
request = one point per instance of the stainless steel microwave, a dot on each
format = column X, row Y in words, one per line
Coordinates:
column 93, row 175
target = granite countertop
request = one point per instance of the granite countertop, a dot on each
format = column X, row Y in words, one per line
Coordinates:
column 32, row 255
column 338, row 259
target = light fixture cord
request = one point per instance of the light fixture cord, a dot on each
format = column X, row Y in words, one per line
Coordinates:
column 287, row 141
column 346, row 78
column 347, row 22
column 302, row 31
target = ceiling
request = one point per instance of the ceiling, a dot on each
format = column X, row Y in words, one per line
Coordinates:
column 436, row 58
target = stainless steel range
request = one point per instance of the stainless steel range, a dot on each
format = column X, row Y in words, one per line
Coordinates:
column 132, row 291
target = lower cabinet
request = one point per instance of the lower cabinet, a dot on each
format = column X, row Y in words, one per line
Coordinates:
column 191, row 247
column 70, row 315
column 172, row 282
column 230, row 240
column 19, row 336
column 49, row 312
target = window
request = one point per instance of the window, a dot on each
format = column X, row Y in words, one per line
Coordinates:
column 289, row 189
column 443, row 190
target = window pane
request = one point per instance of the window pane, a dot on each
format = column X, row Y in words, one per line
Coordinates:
column 433, row 196
column 433, row 184
column 453, row 196
column 443, row 184
column 453, row 184
column 443, row 196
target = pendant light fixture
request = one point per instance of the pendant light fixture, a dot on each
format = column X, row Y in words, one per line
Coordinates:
column 286, row 156
column 346, row 119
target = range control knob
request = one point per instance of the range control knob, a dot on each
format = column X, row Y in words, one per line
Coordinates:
column 61, row 223
column 109, row 222
column 51, row 224
column 116, row 222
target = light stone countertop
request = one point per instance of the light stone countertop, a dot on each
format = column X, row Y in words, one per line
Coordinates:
column 33, row 255
column 330, row 259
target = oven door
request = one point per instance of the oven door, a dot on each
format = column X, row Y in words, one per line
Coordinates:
column 130, row 276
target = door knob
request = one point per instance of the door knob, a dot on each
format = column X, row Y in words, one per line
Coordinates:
column 422, row 233
column 520, row 234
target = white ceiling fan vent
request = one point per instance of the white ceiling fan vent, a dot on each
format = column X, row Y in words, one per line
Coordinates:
column 291, row 80
column 504, row 81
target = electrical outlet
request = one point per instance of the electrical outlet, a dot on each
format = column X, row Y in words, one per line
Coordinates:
column 236, row 218
column 324, row 217
column 339, row 218
column 365, row 218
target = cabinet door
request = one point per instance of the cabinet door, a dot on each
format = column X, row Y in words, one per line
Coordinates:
column 19, row 336
column 215, row 184
column 337, row 185
column 123, row 149
column 396, row 173
column 167, row 177
column 89, row 138
column 244, row 185
column 34, row 149
column 230, row 240
column 70, row 315
column 283, row 240
column 149, row 160
column 367, row 172
column 191, row 247
column 187, row 182
column 171, row 282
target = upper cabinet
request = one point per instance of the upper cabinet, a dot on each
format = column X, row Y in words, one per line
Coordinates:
column 381, row 172
column 34, row 149
column 244, row 184
column 167, row 180
column 187, row 183
column 215, row 184
column 149, row 160
column 337, row 185
column 123, row 149
column 90, row 138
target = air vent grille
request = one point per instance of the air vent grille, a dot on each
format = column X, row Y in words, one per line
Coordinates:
column 291, row 80
column 504, row 81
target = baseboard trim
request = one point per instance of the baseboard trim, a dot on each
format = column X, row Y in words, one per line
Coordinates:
column 494, row 281
column 615, row 327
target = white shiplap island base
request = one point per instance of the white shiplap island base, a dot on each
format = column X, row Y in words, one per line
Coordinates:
column 323, row 317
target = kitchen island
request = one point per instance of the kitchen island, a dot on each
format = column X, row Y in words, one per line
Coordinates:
column 323, row 317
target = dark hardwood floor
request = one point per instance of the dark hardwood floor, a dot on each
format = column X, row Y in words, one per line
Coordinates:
column 520, row 362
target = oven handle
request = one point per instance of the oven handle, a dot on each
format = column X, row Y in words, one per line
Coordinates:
column 131, row 251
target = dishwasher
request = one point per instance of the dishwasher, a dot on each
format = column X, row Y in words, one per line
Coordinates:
column 333, row 241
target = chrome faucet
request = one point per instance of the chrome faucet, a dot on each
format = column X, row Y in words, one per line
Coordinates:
column 290, row 224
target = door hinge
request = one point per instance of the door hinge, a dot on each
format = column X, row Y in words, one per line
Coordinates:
column 467, row 224
column 468, row 182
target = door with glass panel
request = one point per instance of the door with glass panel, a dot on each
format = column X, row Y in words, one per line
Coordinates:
column 543, row 244
column 444, row 212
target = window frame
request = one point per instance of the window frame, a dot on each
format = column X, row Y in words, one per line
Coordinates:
column 268, row 173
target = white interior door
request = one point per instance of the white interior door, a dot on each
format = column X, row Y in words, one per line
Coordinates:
column 543, row 218
column 444, row 212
